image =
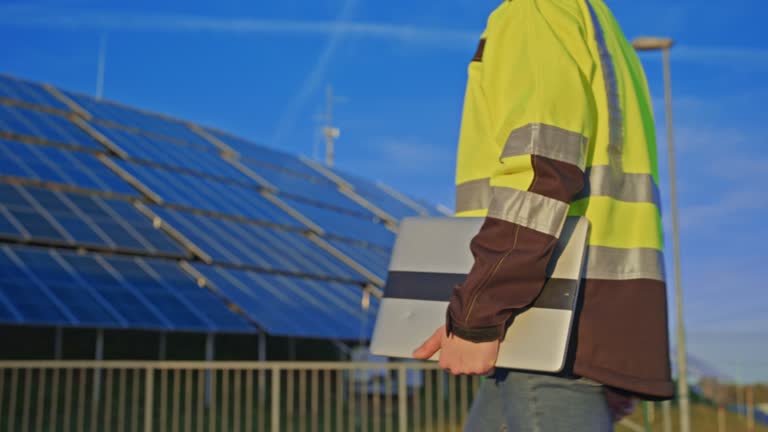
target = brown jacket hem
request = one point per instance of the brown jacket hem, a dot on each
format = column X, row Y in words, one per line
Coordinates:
column 643, row 388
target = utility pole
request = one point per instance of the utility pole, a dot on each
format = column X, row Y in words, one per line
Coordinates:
column 750, row 409
column 330, row 132
column 101, row 67
column 664, row 45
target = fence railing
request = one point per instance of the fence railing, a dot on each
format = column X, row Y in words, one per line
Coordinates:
column 124, row 396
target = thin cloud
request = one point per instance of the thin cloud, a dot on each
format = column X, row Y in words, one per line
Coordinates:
column 23, row 16
column 26, row 17
column 717, row 55
column 723, row 54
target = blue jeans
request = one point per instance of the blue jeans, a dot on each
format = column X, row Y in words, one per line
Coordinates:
column 521, row 402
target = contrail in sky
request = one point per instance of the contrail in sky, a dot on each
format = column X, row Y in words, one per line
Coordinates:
column 35, row 17
column 313, row 80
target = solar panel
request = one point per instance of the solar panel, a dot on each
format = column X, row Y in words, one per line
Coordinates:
column 265, row 156
column 296, row 307
column 24, row 298
column 263, row 260
column 31, row 93
column 322, row 192
column 345, row 225
column 176, row 294
column 207, row 194
column 80, row 220
column 379, row 197
column 136, row 119
column 54, row 287
column 172, row 154
column 23, row 122
column 375, row 259
column 256, row 246
column 56, row 165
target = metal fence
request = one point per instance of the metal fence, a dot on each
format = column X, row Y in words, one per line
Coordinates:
column 90, row 396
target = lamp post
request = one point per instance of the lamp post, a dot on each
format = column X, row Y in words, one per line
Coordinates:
column 665, row 44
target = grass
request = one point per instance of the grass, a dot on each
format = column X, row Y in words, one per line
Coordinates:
column 703, row 419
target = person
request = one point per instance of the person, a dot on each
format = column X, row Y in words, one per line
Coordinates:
column 558, row 120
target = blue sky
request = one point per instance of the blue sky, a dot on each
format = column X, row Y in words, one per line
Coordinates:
column 259, row 69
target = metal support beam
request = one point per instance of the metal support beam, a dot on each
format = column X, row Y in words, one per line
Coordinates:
column 58, row 343
column 209, row 357
column 291, row 349
column 162, row 349
column 344, row 351
column 99, row 356
column 750, row 409
column 262, row 341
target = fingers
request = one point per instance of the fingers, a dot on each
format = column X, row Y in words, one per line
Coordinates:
column 457, row 366
column 461, row 357
column 430, row 347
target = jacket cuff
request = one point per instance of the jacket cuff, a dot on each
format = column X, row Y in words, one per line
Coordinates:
column 474, row 334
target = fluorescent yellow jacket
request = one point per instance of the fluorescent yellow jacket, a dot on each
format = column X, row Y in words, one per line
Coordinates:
column 557, row 120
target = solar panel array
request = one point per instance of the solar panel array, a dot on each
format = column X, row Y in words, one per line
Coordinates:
column 111, row 217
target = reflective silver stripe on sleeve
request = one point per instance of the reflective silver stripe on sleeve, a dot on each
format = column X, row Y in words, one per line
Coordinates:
column 628, row 187
column 528, row 209
column 473, row 195
column 547, row 141
column 621, row 264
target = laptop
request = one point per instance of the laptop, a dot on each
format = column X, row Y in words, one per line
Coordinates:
column 432, row 255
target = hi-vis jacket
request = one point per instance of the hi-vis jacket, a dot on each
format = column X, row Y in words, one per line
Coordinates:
column 557, row 121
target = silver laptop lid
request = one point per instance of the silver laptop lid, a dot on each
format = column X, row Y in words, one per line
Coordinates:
column 432, row 255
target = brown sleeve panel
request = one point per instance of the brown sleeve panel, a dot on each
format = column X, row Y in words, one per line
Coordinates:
column 622, row 337
column 510, row 262
column 555, row 179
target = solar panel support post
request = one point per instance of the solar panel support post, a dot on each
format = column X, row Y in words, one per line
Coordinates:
column 291, row 349
column 344, row 351
column 162, row 346
column 99, row 356
column 209, row 354
column 262, row 341
column 58, row 343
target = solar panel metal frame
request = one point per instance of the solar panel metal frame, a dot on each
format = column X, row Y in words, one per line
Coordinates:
column 38, row 92
column 93, row 115
column 65, row 126
column 217, row 237
column 66, row 239
column 86, row 162
column 61, row 259
column 228, row 276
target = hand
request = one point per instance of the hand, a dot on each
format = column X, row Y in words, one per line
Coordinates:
column 619, row 404
column 459, row 356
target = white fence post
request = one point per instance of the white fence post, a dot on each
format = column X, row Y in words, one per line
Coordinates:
column 149, row 394
column 402, row 398
column 275, row 399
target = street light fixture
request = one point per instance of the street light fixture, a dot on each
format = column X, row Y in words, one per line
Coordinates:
column 665, row 44
column 648, row 43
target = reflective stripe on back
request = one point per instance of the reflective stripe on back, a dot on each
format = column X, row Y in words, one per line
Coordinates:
column 629, row 187
column 622, row 264
column 616, row 123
